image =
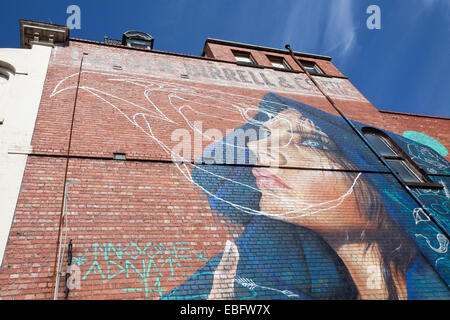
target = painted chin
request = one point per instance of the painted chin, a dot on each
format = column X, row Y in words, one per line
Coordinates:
column 267, row 180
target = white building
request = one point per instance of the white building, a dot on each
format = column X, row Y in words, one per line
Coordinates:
column 22, row 76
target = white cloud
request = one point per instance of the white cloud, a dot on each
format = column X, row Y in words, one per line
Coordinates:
column 321, row 26
column 427, row 6
column 340, row 31
column 302, row 25
column 428, row 3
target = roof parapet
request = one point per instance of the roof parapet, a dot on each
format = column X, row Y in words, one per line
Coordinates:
column 251, row 46
column 47, row 34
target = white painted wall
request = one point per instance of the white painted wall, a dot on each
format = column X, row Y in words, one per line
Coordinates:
column 19, row 103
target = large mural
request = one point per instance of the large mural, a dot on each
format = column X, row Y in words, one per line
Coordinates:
column 385, row 234
column 310, row 212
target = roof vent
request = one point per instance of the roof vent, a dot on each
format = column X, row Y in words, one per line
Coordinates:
column 137, row 39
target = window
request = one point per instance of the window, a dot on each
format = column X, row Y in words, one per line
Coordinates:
column 397, row 160
column 137, row 39
column 311, row 67
column 279, row 62
column 243, row 57
column 380, row 144
column 137, row 43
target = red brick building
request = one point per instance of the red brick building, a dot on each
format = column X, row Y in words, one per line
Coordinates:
column 125, row 179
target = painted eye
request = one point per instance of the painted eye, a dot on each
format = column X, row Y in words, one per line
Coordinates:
column 264, row 132
column 311, row 143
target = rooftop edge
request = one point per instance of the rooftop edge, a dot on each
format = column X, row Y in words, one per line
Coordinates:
column 252, row 46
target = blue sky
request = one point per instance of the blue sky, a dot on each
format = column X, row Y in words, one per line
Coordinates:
column 403, row 67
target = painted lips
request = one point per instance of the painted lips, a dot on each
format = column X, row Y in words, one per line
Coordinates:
column 267, row 180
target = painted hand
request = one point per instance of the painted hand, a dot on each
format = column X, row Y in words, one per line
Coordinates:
column 225, row 274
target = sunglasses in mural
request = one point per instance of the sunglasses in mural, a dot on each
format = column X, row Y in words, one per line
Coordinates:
column 315, row 216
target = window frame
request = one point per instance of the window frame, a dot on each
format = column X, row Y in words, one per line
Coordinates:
column 402, row 157
column 319, row 71
column 282, row 60
column 138, row 43
column 242, row 53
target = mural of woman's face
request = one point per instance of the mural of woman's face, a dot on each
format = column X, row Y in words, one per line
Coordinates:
column 318, row 199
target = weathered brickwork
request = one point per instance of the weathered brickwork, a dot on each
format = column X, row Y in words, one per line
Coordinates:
column 225, row 53
column 28, row 265
column 331, row 223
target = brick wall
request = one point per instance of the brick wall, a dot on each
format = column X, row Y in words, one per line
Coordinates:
column 225, row 52
column 149, row 228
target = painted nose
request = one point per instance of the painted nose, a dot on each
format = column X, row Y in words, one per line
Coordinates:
column 266, row 156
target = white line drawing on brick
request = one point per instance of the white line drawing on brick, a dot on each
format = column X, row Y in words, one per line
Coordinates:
column 181, row 163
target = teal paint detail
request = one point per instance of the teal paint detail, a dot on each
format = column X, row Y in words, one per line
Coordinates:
column 394, row 198
column 80, row 261
column 110, row 275
column 441, row 205
column 171, row 261
column 132, row 250
column 96, row 265
column 144, row 265
column 201, row 257
column 117, row 252
column 427, row 141
column 253, row 296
